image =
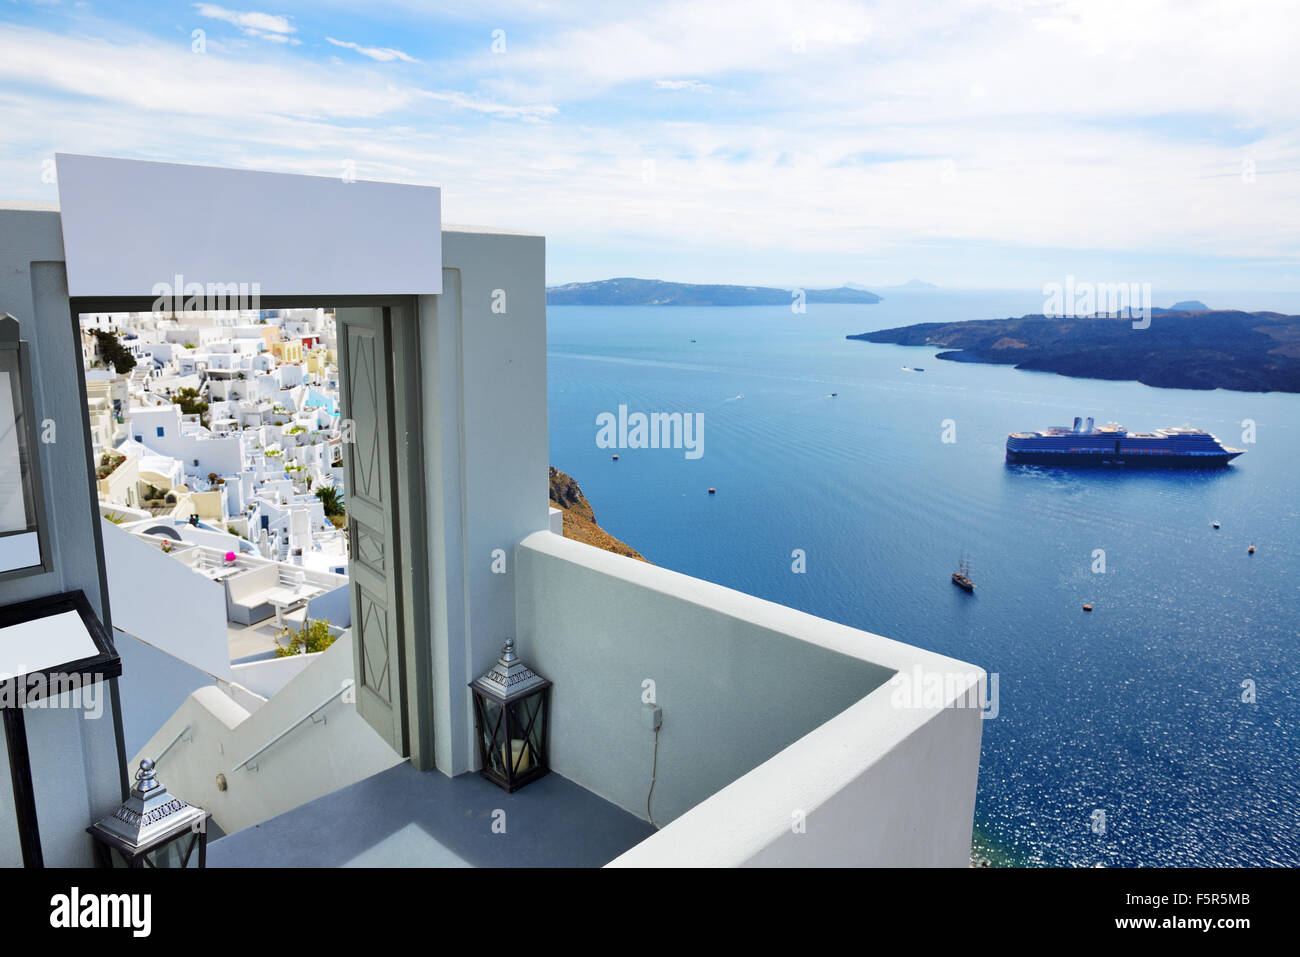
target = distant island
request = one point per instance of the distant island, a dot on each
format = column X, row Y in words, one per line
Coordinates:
column 1191, row 348
column 655, row 292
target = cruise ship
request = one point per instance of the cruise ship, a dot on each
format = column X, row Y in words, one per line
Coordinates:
column 1115, row 446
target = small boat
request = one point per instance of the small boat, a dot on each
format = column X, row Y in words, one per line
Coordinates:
column 692, row 338
column 961, row 577
column 834, row 394
column 1251, row 550
column 1214, row 524
column 918, row 369
column 615, row 458
column 1087, row 608
column 713, row 491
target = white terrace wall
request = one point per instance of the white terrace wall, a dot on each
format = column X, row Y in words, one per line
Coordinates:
column 165, row 603
column 876, row 786
column 738, row 678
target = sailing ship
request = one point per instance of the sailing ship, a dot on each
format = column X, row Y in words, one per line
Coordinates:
column 961, row 577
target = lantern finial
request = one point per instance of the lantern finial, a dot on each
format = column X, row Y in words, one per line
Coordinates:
column 508, row 654
column 146, row 779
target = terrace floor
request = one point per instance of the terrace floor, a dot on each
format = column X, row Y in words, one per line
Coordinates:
column 251, row 641
column 407, row 818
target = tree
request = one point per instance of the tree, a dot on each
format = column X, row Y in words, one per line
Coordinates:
column 191, row 402
column 114, row 353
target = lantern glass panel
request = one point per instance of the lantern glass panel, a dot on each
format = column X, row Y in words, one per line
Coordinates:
column 527, row 740
column 492, row 729
column 181, row 852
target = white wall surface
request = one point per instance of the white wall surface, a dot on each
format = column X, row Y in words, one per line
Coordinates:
column 735, row 676
column 268, row 676
column 154, row 684
column 75, row 763
column 872, row 787
column 349, row 238
column 165, row 603
column 486, row 450
column 312, row 760
column 767, row 711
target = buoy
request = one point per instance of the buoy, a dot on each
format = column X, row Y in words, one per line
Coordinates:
column 1087, row 608
column 1251, row 550
column 616, row 458
column 713, row 491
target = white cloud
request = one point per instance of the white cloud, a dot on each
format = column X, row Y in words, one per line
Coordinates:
column 266, row 26
column 1045, row 110
column 466, row 102
column 382, row 54
column 690, row 86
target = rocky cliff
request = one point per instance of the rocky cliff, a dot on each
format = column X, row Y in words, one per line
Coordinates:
column 580, row 518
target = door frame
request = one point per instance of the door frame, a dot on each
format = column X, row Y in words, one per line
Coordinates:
column 408, row 479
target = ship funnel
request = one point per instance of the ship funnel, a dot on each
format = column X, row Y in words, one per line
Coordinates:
column 1088, row 425
column 1077, row 422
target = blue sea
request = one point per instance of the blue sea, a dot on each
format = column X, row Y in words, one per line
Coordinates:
column 1135, row 709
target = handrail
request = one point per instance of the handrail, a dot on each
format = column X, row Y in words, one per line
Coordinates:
column 180, row 734
column 347, row 685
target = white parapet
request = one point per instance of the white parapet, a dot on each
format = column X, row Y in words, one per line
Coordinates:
column 785, row 738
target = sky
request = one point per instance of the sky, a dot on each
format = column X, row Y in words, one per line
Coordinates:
column 995, row 144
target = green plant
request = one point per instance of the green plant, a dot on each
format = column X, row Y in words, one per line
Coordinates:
column 191, row 402
column 116, row 518
column 108, row 463
column 329, row 498
column 314, row 636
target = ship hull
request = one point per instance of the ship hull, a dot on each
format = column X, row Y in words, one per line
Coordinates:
column 1074, row 460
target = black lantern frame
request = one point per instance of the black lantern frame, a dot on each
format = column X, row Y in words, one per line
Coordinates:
column 512, row 725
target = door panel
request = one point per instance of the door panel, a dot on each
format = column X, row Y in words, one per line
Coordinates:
column 366, row 399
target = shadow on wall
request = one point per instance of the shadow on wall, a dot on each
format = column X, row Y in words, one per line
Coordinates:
column 153, row 685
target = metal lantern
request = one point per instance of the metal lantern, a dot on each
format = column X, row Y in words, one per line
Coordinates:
column 511, row 712
column 152, row 828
